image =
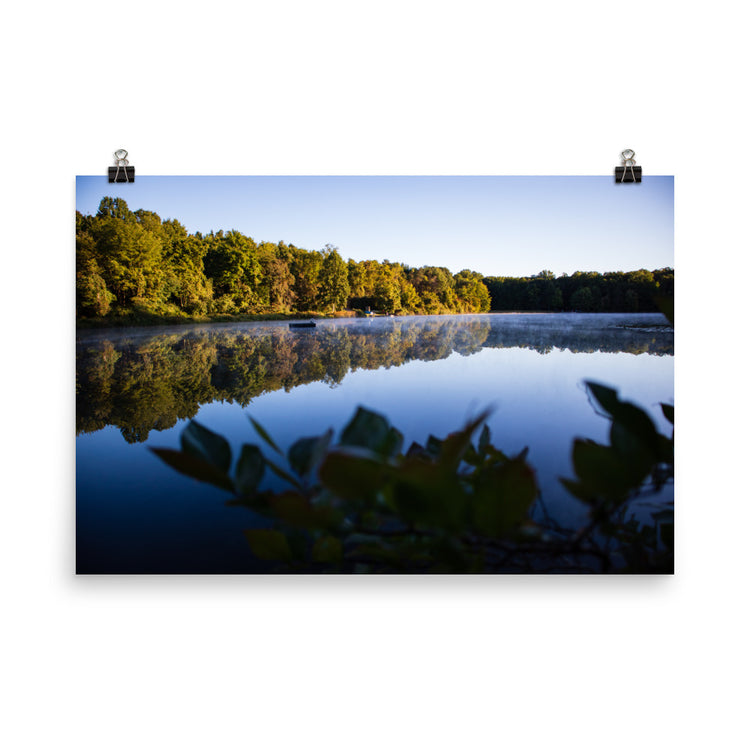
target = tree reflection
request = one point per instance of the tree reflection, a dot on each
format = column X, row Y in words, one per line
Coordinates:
column 142, row 381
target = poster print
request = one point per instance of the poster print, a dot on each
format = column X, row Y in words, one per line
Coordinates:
column 374, row 375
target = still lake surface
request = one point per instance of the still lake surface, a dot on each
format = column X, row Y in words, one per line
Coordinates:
column 139, row 387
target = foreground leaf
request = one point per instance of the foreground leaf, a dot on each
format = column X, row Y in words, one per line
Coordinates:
column 425, row 494
column 503, row 497
column 353, row 477
column 250, row 468
column 264, row 435
column 194, row 467
column 327, row 549
column 306, row 453
column 601, row 470
column 367, row 429
column 294, row 509
column 282, row 474
column 206, row 445
column 626, row 417
column 267, row 544
column 484, row 440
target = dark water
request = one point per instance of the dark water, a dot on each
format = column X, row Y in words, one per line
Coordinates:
column 138, row 387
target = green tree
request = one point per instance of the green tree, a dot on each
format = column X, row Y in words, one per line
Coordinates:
column 92, row 295
column 582, row 300
column 131, row 260
column 357, row 277
column 410, row 301
column 231, row 262
column 435, row 287
column 114, row 208
column 631, row 300
column 277, row 282
column 333, row 282
column 305, row 268
column 471, row 292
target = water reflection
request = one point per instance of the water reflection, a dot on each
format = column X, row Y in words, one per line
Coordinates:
column 143, row 380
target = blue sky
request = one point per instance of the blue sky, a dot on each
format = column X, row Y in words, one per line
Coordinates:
column 500, row 226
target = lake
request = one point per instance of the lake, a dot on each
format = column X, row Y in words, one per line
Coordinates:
column 138, row 387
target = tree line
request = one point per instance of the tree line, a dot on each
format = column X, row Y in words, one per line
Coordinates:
column 633, row 291
column 133, row 262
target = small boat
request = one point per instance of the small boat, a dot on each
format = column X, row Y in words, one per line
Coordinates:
column 311, row 324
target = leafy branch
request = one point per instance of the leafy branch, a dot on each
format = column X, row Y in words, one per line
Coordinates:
column 458, row 504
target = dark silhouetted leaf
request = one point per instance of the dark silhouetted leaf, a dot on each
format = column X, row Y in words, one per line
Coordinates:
column 424, row 493
column 268, row 544
column 393, row 443
column 250, row 468
column 454, row 447
column 472, row 457
column 327, row 549
column 207, row 445
column 601, row 470
column 194, row 467
column 638, row 457
column 265, row 436
column 415, row 449
column 579, row 490
column 281, row 473
column 306, row 453
column 606, row 396
column 353, row 477
column 294, row 509
column 628, row 417
column 484, row 440
column 367, row 429
column 433, row 446
column 522, row 454
column 503, row 497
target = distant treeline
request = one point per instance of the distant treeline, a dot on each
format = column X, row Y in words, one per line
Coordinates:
column 134, row 263
column 633, row 291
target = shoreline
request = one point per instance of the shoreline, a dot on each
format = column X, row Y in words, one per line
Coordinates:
column 93, row 324
column 151, row 321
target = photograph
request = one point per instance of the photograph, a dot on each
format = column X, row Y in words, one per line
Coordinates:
column 374, row 375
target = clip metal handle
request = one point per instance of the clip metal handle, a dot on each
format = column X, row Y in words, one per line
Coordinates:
column 628, row 162
column 121, row 162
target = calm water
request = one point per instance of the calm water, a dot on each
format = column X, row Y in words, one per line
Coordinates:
column 138, row 387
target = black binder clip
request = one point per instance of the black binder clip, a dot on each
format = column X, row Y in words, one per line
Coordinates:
column 628, row 172
column 122, row 172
